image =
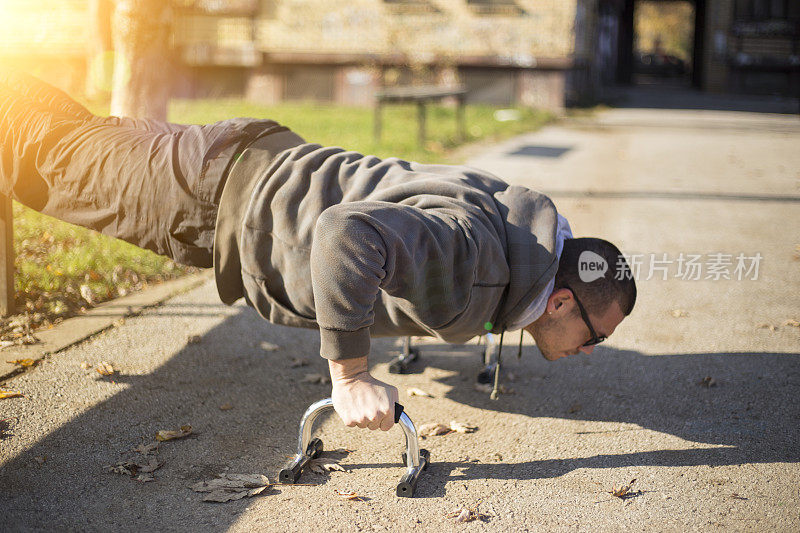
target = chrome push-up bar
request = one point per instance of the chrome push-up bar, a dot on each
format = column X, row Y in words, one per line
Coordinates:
column 309, row 448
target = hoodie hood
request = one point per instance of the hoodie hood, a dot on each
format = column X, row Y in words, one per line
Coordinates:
column 531, row 224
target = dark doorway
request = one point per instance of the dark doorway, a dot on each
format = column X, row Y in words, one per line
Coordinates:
column 660, row 42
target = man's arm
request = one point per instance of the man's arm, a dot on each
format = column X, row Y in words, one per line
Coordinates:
column 420, row 256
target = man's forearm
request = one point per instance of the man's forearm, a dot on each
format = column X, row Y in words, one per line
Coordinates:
column 345, row 370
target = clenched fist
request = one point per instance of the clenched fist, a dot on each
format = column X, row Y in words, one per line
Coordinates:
column 359, row 399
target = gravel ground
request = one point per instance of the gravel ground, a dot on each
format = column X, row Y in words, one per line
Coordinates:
column 545, row 456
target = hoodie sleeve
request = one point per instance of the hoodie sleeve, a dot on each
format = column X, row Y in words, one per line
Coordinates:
column 421, row 256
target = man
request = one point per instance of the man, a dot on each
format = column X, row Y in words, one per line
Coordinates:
column 318, row 237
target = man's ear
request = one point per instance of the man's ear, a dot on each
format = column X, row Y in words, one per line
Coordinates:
column 557, row 299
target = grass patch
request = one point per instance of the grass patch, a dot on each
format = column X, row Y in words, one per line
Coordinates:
column 60, row 268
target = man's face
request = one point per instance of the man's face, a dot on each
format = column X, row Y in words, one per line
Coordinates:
column 561, row 331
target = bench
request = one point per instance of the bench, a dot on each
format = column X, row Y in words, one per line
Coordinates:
column 421, row 95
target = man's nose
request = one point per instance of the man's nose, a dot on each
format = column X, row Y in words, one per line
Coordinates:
column 587, row 349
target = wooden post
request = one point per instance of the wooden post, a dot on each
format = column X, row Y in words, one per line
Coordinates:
column 421, row 112
column 7, row 258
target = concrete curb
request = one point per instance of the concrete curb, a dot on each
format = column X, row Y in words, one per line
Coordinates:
column 76, row 329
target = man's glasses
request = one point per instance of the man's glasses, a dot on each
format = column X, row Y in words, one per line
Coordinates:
column 585, row 316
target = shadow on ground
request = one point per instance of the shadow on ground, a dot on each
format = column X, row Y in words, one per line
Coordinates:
column 753, row 412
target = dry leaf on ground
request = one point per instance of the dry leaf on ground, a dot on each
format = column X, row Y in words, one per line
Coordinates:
column 136, row 467
column 40, row 459
column 269, row 347
column 764, row 325
column 5, row 394
column 468, row 515
column 105, row 369
column 229, row 487
column 433, row 429
column 225, row 407
column 316, row 378
column 679, row 313
column 413, row 391
column 791, row 323
column 164, row 435
column 23, row 362
column 323, row 465
column 622, row 491
column 348, row 495
column 298, row 362
column 88, row 295
column 461, row 427
column 708, row 382
column 193, row 339
column 147, row 449
column 85, row 365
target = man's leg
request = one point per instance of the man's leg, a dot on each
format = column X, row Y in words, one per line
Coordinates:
column 156, row 185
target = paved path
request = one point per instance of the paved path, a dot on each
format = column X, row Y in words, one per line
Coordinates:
column 544, row 458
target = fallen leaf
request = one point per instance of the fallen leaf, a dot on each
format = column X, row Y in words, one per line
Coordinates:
column 468, row 515
column 764, row 325
column 5, row 394
column 152, row 465
column 791, row 323
column 85, row 365
column 88, row 295
column 708, row 382
column 418, row 392
column 316, row 378
column 298, row 362
column 230, row 487
column 433, row 429
column 574, row 408
column 144, row 478
column 23, row 362
column 143, row 467
column 323, row 465
column 40, row 459
column 193, row 339
column 225, row 407
column 6, row 344
column 147, row 449
column 105, row 369
column 269, row 347
column 461, row 427
column 622, row 491
column 679, row 313
column 348, row 495
column 165, row 435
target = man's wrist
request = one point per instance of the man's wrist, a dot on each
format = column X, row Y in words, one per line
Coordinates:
column 346, row 370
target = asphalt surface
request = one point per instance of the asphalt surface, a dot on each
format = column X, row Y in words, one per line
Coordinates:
column 545, row 457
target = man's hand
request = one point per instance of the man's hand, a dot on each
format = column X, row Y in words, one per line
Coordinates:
column 359, row 399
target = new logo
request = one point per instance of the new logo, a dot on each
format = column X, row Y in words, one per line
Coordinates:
column 591, row 266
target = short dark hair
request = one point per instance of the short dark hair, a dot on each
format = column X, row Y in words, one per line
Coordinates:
column 616, row 284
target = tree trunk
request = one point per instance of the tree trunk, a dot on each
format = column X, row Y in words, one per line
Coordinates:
column 142, row 81
column 100, row 49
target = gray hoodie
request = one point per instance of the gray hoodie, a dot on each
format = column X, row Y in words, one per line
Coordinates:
column 358, row 246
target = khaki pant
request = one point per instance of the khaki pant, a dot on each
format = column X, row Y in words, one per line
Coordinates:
column 151, row 183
